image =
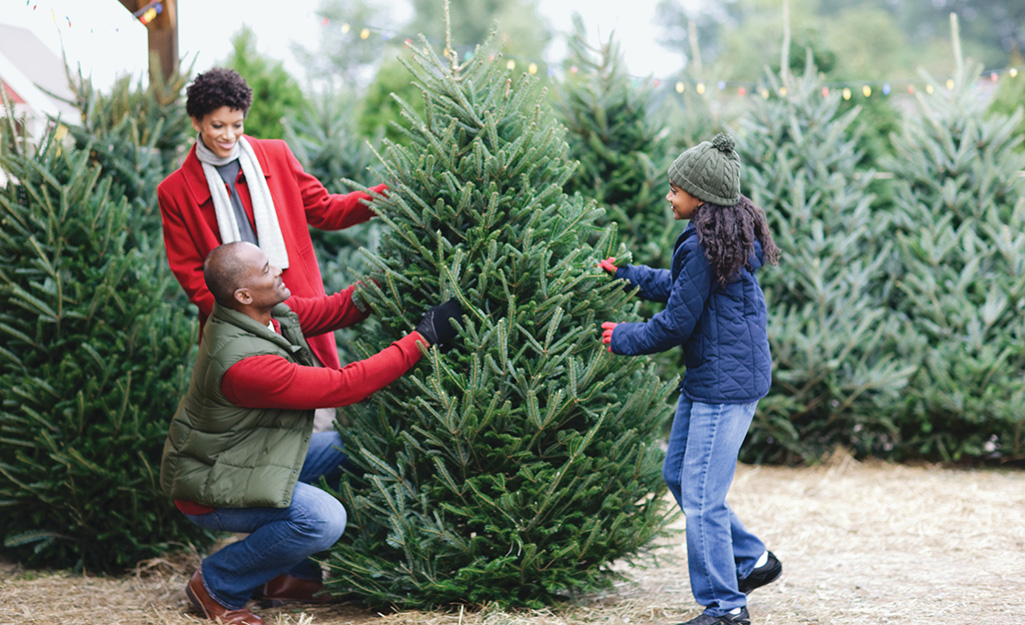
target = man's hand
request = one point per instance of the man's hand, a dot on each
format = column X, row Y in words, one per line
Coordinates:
column 436, row 324
column 608, row 265
column 606, row 334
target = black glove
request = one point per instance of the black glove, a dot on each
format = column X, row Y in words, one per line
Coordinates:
column 436, row 324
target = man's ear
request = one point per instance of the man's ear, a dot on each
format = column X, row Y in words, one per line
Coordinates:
column 242, row 296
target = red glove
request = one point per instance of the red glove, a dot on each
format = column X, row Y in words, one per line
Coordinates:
column 606, row 334
column 608, row 265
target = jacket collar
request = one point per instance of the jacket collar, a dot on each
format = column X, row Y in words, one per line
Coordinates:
column 252, row 326
column 689, row 231
column 195, row 179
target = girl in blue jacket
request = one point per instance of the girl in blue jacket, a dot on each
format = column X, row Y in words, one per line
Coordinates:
column 715, row 309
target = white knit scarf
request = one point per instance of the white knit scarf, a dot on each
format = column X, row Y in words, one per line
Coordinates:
column 268, row 230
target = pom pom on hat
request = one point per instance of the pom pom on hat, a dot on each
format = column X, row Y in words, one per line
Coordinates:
column 710, row 171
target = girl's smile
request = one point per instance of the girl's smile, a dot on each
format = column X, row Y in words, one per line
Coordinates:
column 683, row 204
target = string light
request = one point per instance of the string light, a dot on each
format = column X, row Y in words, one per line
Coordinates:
column 866, row 91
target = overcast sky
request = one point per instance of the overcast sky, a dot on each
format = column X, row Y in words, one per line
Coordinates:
column 107, row 41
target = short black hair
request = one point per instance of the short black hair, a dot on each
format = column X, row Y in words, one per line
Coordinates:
column 223, row 272
column 215, row 88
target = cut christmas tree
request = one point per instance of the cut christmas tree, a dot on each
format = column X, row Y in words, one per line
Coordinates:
column 614, row 134
column 959, row 220
column 515, row 469
column 833, row 375
column 92, row 363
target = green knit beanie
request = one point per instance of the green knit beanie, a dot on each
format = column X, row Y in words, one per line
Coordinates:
column 709, row 171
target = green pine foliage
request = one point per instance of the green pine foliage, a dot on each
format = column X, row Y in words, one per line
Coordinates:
column 380, row 111
column 1010, row 95
column 327, row 141
column 833, row 377
column 959, row 224
column 91, row 367
column 516, row 468
column 137, row 135
column 615, row 135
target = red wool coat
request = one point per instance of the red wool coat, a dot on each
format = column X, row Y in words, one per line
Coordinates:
column 190, row 225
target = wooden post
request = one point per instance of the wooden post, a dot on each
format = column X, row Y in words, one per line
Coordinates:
column 163, row 37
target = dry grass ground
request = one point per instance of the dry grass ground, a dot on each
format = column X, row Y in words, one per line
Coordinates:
column 861, row 544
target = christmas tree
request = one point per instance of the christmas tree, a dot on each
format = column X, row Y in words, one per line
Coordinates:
column 516, row 468
column 92, row 363
column 136, row 135
column 832, row 372
column 615, row 135
column 959, row 221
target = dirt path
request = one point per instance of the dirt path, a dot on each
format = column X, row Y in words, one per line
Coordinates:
column 861, row 544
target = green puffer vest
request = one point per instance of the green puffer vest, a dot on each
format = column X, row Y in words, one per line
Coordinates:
column 219, row 454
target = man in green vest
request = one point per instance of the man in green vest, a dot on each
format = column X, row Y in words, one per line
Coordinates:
column 241, row 454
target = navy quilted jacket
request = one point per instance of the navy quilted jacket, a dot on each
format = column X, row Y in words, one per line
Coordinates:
column 721, row 328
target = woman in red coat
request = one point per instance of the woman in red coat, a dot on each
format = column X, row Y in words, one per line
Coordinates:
column 232, row 187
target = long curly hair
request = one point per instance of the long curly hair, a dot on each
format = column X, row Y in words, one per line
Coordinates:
column 728, row 234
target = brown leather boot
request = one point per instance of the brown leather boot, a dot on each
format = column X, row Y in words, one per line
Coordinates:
column 214, row 611
column 287, row 589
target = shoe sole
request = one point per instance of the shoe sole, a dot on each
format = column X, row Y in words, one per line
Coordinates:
column 194, row 600
column 778, row 572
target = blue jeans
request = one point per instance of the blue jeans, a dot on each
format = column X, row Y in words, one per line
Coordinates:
column 280, row 539
column 699, row 466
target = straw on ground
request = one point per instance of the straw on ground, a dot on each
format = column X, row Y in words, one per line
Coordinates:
column 861, row 544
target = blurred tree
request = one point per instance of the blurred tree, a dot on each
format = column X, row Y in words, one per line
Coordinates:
column 853, row 40
column 615, row 135
column 521, row 31
column 959, row 276
column 344, row 60
column 1010, row 96
column 991, row 30
column 380, row 110
column 828, row 324
column 276, row 94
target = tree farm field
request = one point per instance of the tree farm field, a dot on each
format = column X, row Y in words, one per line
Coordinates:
column 861, row 543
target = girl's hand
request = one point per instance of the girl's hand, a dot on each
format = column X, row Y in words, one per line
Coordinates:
column 608, row 265
column 606, row 335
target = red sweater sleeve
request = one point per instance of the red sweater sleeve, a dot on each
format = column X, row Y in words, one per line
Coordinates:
column 330, row 211
column 272, row 382
column 319, row 315
column 183, row 255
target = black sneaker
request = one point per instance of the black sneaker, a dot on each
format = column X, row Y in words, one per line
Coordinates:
column 762, row 575
column 738, row 616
